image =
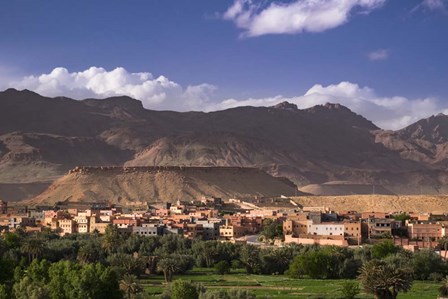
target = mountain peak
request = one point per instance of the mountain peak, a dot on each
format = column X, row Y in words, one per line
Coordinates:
column 335, row 106
column 13, row 91
column 118, row 101
column 286, row 106
column 433, row 129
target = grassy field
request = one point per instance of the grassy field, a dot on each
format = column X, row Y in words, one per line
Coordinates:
column 277, row 286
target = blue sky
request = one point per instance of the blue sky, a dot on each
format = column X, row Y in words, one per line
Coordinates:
column 385, row 59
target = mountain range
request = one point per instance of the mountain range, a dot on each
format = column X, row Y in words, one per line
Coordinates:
column 42, row 138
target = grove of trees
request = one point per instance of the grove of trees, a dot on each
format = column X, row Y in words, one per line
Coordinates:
column 45, row 265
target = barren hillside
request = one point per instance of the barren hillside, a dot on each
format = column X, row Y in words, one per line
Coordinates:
column 135, row 185
column 378, row 203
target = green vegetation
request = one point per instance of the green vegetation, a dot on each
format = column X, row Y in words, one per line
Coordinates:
column 278, row 286
column 115, row 265
column 272, row 229
column 350, row 289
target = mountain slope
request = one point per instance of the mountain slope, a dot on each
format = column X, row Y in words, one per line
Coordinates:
column 425, row 141
column 42, row 138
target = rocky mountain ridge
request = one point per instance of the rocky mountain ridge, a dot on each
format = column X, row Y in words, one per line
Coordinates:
column 42, row 138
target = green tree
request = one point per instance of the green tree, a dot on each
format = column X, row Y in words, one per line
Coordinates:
column 89, row 253
column 4, row 292
column 206, row 252
column 275, row 260
column 38, row 271
column 129, row 286
column 402, row 217
column 33, row 248
column 97, row 282
column 314, row 263
column 222, row 267
column 250, row 258
column 383, row 249
column 181, row 289
column 425, row 262
column 385, row 280
column 12, row 240
column 111, row 239
column 27, row 289
column 7, row 267
column 443, row 290
column 168, row 266
column 126, row 263
column 271, row 229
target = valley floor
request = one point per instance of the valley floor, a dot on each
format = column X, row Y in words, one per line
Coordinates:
column 277, row 286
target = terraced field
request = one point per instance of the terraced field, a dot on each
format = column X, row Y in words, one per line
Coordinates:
column 277, row 286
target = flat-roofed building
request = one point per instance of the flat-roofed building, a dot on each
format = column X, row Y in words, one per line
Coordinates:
column 17, row 220
column 67, row 226
column 228, row 232
column 327, row 229
column 211, row 229
column 98, row 226
column 296, row 227
column 148, row 230
column 380, row 227
column 424, row 230
column 83, row 224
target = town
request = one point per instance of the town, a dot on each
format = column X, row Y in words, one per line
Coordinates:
column 263, row 222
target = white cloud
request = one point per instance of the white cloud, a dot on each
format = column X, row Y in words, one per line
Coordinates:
column 440, row 6
column 380, row 54
column 386, row 112
column 297, row 16
column 155, row 93
column 435, row 4
column 163, row 94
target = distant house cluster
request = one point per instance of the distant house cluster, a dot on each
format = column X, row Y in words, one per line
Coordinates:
column 207, row 219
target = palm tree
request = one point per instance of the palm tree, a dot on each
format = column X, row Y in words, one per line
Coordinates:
column 385, row 280
column 88, row 253
column 443, row 290
column 168, row 266
column 129, row 285
column 33, row 247
column 110, row 239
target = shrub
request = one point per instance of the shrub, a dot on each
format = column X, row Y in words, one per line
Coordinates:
column 350, row 289
column 222, row 267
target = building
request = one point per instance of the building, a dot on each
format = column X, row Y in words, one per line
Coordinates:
column 98, row 226
column 251, row 225
column 211, row 229
column 327, row 229
column 381, row 227
column 228, row 232
column 425, row 230
column 296, row 227
column 83, row 224
column 354, row 232
column 148, row 230
column 23, row 221
column 125, row 222
column 67, row 226
column 193, row 231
